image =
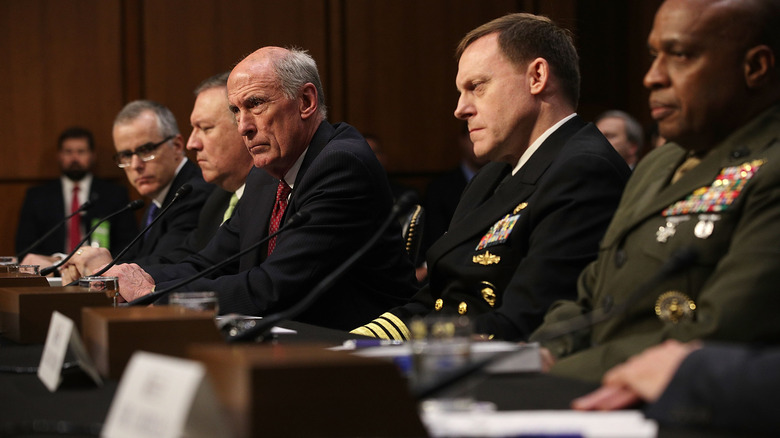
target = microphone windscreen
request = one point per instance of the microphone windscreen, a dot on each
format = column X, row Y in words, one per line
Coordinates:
column 183, row 191
column 135, row 205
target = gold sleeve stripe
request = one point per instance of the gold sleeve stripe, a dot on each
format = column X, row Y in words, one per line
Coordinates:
column 390, row 332
column 365, row 331
column 398, row 325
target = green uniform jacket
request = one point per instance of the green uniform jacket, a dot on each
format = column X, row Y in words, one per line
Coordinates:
column 728, row 210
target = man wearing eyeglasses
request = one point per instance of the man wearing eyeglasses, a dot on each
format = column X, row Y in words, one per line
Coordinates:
column 150, row 149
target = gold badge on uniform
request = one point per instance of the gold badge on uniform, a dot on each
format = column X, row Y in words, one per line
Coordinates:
column 489, row 293
column 438, row 304
column 486, row 259
column 498, row 233
column 519, row 207
column 674, row 306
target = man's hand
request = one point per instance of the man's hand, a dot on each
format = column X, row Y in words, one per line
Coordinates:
column 548, row 360
column 41, row 260
column 643, row 377
column 86, row 261
column 134, row 282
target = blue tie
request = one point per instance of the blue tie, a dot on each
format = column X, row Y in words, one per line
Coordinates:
column 150, row 215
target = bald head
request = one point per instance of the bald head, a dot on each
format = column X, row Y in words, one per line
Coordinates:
column 277, row 99
column 710, row 57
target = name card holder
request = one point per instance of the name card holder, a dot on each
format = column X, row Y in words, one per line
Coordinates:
column 164, row 397
column 111, row 335
column 25, row 311
column 63, row 336
column 306, row 390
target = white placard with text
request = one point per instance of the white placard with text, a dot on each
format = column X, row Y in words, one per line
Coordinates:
column 61, row 337
column 164, row 397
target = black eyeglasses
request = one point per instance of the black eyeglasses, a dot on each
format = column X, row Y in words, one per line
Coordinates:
column 145, row 152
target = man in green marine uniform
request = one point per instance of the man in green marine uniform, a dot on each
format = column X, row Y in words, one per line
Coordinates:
column 714, row 191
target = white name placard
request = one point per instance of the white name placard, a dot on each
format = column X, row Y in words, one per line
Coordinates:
column 61, row 337
column 164, row 397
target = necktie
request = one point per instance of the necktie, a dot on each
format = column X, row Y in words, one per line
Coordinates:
column 282, row 191
column 74, row 233
column 231, row 207
column 150, row 215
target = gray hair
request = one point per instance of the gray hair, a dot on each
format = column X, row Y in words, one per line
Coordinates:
column 216, row 81
column 294, row 70
column 166, row 122
column 634, row 131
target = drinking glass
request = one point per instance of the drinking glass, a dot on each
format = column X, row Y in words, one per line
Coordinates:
column 107, row 285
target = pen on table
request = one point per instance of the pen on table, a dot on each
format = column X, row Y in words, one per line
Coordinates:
column 366, row 343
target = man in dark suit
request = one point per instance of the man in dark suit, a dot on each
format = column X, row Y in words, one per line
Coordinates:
column 713, row 191
column 47, row 205
column 530, row 220
column 303, row 163
column 224, row 161
column 150, row 149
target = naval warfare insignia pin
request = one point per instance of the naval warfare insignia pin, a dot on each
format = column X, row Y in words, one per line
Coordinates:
column 486, row 259
column 674, row 306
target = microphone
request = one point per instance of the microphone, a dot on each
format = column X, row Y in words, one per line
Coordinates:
column 84, row 207
column 679, row 261
column 181, row 193
column 402, row 205
column 133, row 205
column 295, row 220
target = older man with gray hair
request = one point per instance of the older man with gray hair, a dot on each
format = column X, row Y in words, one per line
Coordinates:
column 302, row 163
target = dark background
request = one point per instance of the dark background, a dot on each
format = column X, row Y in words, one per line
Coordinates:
column 387, row 67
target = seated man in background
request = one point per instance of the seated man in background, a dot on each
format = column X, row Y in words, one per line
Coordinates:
column 150, row 149
column 224, row 161
column 722, row 386
column 529, row 221
column 46, row 206
column 714, row 190
column 303, row 164
column 624, row 133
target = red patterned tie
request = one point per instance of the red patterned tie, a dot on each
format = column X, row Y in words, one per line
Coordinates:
column 282, row 192
column 74, row 234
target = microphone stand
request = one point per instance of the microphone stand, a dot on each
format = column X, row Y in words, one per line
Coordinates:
column 84, row 207
column 270, row 321
column 678, row 262
column 295, row 220
column 181, row 193
column 133, row 205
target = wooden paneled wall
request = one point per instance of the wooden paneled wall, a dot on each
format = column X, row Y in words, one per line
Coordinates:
column 387, row 67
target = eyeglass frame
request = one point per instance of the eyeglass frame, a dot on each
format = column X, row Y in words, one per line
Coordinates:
column 146, row 148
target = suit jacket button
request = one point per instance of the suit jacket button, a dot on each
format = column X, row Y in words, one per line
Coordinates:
column 620, row 257
column 438, row 305
column 463, row 308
